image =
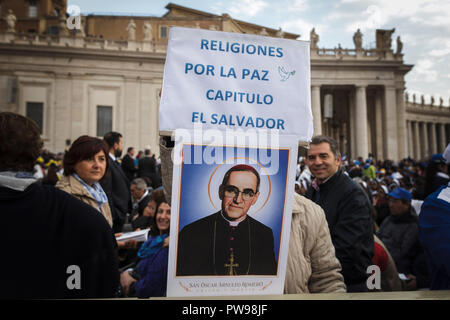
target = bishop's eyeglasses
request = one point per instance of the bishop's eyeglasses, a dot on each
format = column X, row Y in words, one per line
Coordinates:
column 233, row 192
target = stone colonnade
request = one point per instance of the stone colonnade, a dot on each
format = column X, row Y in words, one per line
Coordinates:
column 374, row 124
column 426, row 138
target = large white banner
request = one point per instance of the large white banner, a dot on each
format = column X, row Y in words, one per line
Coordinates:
column 236, row 81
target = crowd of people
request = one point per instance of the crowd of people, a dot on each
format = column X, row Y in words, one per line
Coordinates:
column 387, row 206
column 348, row 215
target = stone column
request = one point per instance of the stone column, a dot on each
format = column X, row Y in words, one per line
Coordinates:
column 333, row 131
column 369, row 128
column 63, row 91
column 442, row 141
column 316, row 110
column 391, row 123
column 77, row 108
column 339, row 133
column 362, row 147
column 351, row 116
column 434, row 143
column 369, row 138
column 417, row 144
column 379, row 125
column 447, row 133
column 410, row 140
column 426, row 143
column 147, row 118
column 344, row 145
column 132, row 114
column 401, row 125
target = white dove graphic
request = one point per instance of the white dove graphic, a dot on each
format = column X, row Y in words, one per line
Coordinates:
column 285, row 74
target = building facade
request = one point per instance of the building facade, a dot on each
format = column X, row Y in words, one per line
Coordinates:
column 107, row 75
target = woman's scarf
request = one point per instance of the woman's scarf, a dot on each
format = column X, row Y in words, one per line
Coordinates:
column 96, row 191
column 152, row 246
column 18, row 181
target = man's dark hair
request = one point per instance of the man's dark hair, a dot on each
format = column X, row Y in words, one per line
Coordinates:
column 147, row 152
column 239, row 167
column 20, row 142
column 334, row 147
column 85, row 147
column 430, row 173
column 157, row 196
column 111, row 138
column 129, row 149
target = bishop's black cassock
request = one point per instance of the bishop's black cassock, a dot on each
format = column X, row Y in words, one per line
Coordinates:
column 211, row 246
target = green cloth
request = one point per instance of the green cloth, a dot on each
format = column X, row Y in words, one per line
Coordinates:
column 370, row 172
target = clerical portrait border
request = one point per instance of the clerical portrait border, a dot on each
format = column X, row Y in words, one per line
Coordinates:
column 191, row 178
column 276, row 226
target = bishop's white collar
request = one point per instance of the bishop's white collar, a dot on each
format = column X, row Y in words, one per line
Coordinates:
column 233, row 223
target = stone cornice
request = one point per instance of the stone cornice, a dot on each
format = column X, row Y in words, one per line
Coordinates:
column 397, row 66
column 428, row 118
column 82, row 53
column 428, row 110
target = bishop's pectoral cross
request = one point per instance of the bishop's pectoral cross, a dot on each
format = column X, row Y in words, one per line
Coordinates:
column 231, row 266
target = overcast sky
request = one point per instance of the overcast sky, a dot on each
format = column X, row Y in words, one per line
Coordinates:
column 423, row 26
